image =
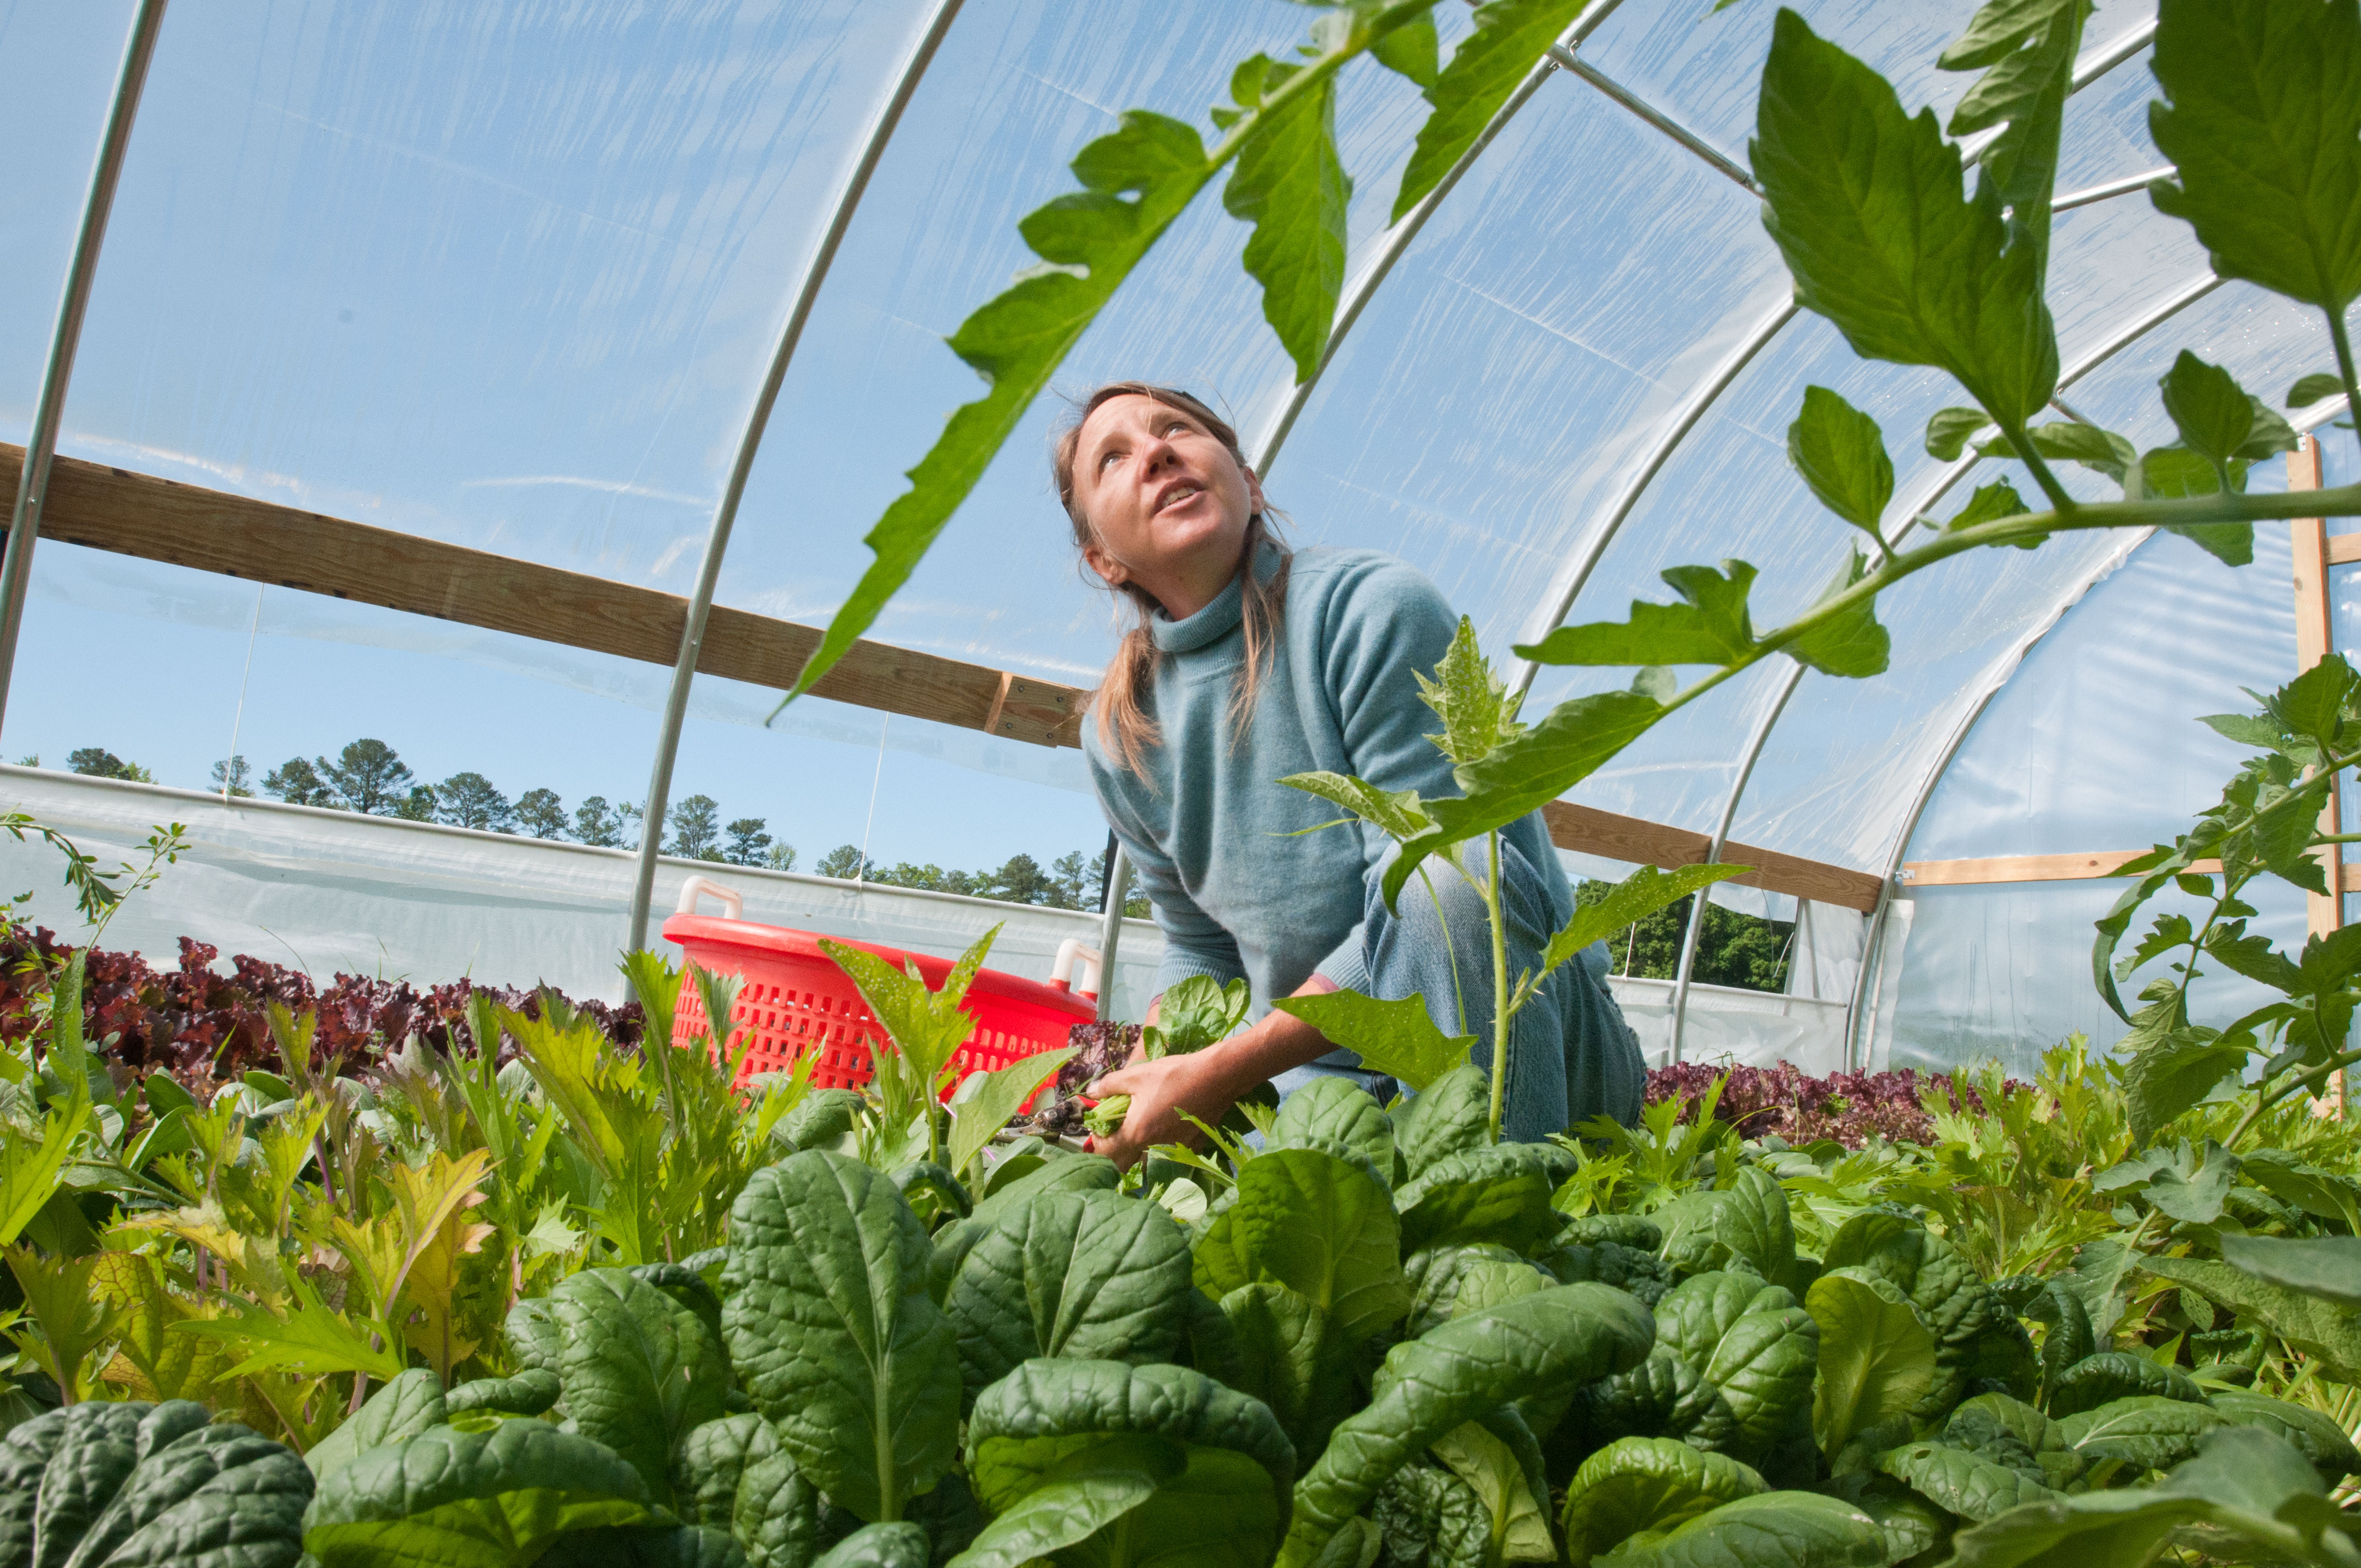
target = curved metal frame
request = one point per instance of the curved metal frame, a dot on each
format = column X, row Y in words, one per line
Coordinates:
column 709, row 574
column 41, row 443
column 1395, row 240
column 1935, row 489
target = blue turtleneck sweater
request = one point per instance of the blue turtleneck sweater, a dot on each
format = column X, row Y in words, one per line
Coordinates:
column 1208, row 827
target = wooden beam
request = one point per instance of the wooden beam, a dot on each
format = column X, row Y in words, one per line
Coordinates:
column 1642, row 842
column 2343, row 549
column 2026, row 868
column 2315, row 637
column 135, row 514
column 184, row 525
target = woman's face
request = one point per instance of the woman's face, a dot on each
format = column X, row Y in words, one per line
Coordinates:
column 1166, row 503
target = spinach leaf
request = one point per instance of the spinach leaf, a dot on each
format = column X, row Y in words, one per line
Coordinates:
column 404, row 1407
column 1752, row 1344
column 1338, row 1115
column 1195, row 1013
column 1430, row 1516
column 1974, row 1485
column 639, row 1370
column 1085, row 1274
column 446, row 1498
column 157, row 1487
column 1079, row 1497
column 1774, row 1529
column 1321, row 1226
column 1646, row 1483
column 1291, row 1358
column 1534, row 1345
column 2113, row 1374
column 2145, row 1430
column 827, row 1318
column 646, row 1546
column 880, row 1546
column 1223, row 1509
column 1876, row 1359
column 1498, row 1194
column 2314, row 1435
column 1452, row 1115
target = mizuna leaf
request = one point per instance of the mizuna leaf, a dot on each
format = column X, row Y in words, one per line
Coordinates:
column 1510, row 38
column 829, row 1322
column 1852, row 644
column 1291, row 185
column 1867, row 205
column 1840, row 453
column 1710, row 626
column 1544, row 1344
column 1397, row 1038
column 1634, row 898
column 2263, row 127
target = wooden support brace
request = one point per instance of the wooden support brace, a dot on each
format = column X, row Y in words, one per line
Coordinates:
column 2314, row 638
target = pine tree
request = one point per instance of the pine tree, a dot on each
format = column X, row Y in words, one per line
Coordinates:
column 293, row 782
column 595, row 825
column 233, row 777
column 366, row 776
column 468, row 800
column 540, row 813
column 748, row 839
column 696, row 828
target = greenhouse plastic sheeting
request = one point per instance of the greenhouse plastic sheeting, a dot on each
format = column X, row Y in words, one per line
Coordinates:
column 509, row 278
column 328, row 892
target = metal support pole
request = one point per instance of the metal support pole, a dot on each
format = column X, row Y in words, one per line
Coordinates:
column 1713, row 856
column 709, row 574
column 1111, row 928
column 32, row 483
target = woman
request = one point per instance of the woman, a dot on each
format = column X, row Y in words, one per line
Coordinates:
column 1250, row 663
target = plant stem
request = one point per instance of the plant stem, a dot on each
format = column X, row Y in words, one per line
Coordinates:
column 2337, row 335
column 1500, row 978
column 1458, row 992
column 2286, row 1091
column 2041, row 474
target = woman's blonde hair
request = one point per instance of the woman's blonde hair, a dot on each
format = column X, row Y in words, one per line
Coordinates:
column 1124, row 727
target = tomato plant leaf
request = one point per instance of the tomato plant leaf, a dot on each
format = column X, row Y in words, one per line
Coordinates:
column 1840, row 453
column 1509, row 36
column 1291, row 185
column 1397, row 1038
column 1852, row 643
column 2262, row 122
column 1634, row 898
column 1412, row 50
column 1470, row 698
column 2318, row 387
column 1867, row 205
column 2030, row 46
column 1949, row 429
column 2212, row 411
column 1711, row 626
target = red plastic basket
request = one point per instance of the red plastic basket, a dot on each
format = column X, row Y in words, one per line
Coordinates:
column 796, row 1000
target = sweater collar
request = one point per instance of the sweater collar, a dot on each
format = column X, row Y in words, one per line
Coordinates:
column 1219, row 617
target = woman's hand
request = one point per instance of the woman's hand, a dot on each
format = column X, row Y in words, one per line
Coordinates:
column 1204, row 1083
column 1160, row 1091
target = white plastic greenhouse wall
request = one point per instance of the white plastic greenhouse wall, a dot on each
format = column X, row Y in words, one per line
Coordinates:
column 511, row 278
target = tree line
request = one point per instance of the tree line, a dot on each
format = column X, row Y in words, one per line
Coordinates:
column 367, row 776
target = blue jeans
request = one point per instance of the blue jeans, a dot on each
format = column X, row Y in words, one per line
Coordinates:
column 1571, row 1056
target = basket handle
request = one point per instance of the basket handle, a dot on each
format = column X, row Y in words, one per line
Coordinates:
column 1062, row 967
column 733, row 904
